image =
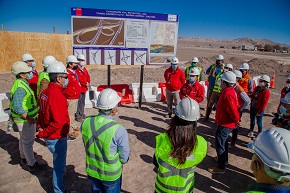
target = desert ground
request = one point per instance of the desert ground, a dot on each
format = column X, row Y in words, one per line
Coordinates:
column 143, row 125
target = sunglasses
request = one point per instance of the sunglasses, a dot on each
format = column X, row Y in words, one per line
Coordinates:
column 65, row 77
column 29, row 60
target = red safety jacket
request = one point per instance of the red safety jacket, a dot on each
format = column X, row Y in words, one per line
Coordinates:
column 73, row 89
column 53, row 113
column 260, row 99
column 174, row 79
column 227, row 113
column 194, row 91
column 84, row 78
column 33, row 81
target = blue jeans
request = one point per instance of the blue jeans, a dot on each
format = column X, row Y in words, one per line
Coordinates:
column 253, row 116
column 221, row 145
column 58, row 148
column 101, row 186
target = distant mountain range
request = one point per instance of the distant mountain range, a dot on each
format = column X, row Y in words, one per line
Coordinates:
column 239, row 41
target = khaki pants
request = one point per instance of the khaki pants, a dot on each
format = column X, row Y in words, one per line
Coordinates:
column 26, row 140
column 72, row 108
column 213, row 99
column 170, row 96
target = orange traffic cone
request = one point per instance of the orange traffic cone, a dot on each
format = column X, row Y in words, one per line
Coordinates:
column 272, row 82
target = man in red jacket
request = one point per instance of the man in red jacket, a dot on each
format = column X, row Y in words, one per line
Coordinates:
column 227, row 118
column 72, row 93
column 174, row 78
column 30, row 61
column 85, row 80
column 54, row 121
column 192, row 88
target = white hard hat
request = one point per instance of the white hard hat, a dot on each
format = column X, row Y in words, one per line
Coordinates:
column 273, row 148
column 229, row 66
column 26, row 57
column 108, row 99
column 174, row 60
column 286, row 99
column 244, row 66
column 71, row 59
column 288, row 77
column 238, row 73
column 56, row 67
column 187, row 109
column 219, row 57
column 47, row 60
column 81, row 57
column 194, row 71
column 265, row 78
column 195, row 60
column 20, row 67
column 229, row 77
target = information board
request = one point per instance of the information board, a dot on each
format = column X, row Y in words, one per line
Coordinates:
column 114, row 37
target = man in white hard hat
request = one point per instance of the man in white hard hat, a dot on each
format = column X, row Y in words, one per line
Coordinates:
column 43, row 79
column 174, row 78
column 212, row 71
column 246, row 81
column 194, row 65
column 271, row 161
column 24, row 112
column 192, row 88
column 227, row 118
column 106, row 145
column 84, row 79
column 54, row 121
column 72, row 92
column 30, row 61
column 283, row 119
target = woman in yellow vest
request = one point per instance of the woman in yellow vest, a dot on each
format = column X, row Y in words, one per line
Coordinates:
column 179, row 150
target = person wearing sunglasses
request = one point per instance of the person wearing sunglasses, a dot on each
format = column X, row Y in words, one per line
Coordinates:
column 24, row 112
column 30, row 61
column 54, row 121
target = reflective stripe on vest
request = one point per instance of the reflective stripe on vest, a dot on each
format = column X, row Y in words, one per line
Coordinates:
column 171, row 176
column 216, row 87
column 28, row 104
column 97, row 161
column 42, row 75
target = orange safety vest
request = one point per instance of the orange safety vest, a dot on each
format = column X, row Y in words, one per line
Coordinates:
column 244, row 82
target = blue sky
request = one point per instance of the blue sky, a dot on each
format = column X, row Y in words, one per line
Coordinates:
column 225, row 19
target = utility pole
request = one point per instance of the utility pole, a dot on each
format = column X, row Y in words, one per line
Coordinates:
column 54, row 29
column 2, row 27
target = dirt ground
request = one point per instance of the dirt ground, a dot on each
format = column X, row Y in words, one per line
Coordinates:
column 142, row 126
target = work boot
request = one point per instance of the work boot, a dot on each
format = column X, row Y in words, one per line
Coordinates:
column 216, row 170
column 169, row 115
column 79, row 119
column 73, row 134
column 76, row 129
column 251, row 134
column 84, row 116
column 37, row 167
column 23, row 161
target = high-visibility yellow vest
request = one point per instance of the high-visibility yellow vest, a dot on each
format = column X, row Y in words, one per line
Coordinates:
column 187, row 70
column 217, row 87
column 28, row 104
column 171, row 176
column 42, row 75
column 98, row 132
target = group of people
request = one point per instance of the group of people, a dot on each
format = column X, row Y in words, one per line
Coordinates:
column 47, row 105
column 178, row 150
column 229, row 92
